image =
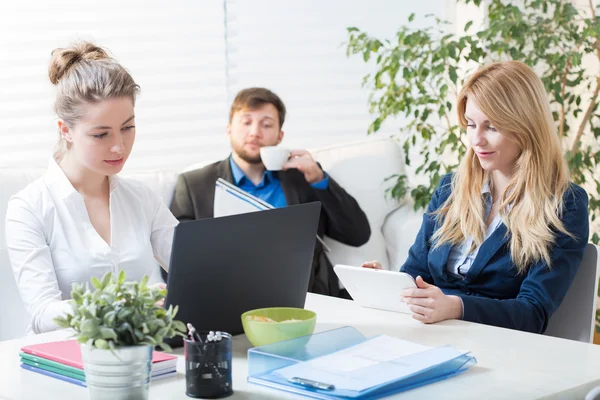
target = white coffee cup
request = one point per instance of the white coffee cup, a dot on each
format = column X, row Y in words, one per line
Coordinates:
column 273, row 157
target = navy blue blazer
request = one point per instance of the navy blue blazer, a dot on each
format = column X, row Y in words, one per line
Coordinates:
column 493, row 292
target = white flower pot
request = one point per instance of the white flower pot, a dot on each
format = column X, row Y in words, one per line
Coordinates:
column 122, row 375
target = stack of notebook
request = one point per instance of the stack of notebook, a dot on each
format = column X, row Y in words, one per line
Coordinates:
column 62, row 360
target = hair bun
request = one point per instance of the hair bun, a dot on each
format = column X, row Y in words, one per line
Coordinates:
column 64, row 59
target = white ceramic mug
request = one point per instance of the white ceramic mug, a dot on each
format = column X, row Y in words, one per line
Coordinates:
column 273, row 157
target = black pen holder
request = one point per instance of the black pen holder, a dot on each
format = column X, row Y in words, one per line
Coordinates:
column 208, row 367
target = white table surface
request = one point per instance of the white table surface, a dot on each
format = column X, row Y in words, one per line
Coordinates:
column 510, row 364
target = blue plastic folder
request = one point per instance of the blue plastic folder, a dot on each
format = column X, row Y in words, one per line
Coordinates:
column 344, row 364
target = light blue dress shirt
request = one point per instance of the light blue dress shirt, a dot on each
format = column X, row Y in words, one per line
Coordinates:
column 460, row 259
column 269, row 189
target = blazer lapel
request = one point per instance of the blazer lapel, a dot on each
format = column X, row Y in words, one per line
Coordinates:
column 440, row 259
column 487, row 250
column 292, row 196
column 224, row 170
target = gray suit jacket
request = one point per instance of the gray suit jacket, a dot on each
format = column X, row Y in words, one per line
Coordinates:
column 341, row 217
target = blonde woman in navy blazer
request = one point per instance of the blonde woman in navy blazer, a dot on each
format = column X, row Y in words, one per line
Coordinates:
column 503, row 237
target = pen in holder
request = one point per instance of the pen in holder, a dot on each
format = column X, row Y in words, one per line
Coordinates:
column 208, row 365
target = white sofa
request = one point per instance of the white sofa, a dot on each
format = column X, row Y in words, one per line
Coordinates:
column 360, row 167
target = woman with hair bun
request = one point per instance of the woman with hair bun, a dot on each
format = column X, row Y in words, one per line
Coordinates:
column 503, row 237
column 80, row 220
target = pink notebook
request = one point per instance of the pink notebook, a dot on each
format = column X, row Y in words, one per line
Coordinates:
column 68, row 352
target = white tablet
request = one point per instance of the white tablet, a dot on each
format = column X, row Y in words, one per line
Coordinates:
column 376, row 288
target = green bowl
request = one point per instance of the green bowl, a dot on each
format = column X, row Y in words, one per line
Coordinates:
column 261, row 333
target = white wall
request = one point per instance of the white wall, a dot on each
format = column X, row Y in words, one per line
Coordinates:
column 191, row 58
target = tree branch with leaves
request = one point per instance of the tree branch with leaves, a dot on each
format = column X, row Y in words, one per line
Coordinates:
column 419, row 72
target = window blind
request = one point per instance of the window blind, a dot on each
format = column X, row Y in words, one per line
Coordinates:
column 175, row 51
column 297, row 50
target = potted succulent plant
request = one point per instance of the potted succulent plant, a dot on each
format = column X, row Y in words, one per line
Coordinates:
column 118, row 324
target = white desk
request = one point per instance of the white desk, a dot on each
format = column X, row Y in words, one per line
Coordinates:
column 511, row 364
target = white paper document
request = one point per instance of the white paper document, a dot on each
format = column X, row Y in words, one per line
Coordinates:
column 372, row 363
column 231, row 200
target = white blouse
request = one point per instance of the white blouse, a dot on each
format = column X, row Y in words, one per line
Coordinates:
column 52, row 243
column 461, row 257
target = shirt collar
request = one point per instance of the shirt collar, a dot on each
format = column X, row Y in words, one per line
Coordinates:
column 56, row 178
column 239, row 176
column 486, row 188
column 486, row 193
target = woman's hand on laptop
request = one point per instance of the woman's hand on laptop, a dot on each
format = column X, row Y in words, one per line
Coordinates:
column 372, row 264
column 159, row 285
column 429, row 304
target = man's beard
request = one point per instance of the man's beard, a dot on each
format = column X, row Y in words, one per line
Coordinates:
column 250, row 159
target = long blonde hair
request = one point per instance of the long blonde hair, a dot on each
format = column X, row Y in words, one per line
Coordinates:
column 84, row 73
column 513, row 98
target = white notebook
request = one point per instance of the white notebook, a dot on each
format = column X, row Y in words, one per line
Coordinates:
column 231, row 200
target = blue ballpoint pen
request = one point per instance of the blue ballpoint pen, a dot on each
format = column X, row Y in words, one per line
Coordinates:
column 311, row 384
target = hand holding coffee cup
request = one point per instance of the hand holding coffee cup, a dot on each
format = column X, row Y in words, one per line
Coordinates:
column 274, row 157
column 303, row 161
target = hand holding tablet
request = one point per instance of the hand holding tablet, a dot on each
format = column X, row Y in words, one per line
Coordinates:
column 376, row 288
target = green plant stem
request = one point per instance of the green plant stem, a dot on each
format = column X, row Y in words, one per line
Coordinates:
column 592, row 104
column 563, row 85
column 446, row 117
column 586, row 117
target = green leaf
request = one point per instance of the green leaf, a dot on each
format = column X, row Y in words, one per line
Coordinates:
column 89, row 327
column 109, row 317
column 452, row 74
column 105, row 280
column 165, row 347
column 77, row 297
column 108, row 333
column 138, row 334
column 468, row 25
column 124, row 313
column 179, row 326
column 121, row 279
column 62, row 322
column 161, row 333
column 96, row 283
column 411, row 17
column 375, row 126
column 149, row 340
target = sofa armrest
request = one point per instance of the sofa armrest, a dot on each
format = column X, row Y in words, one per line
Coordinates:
column 399, row 230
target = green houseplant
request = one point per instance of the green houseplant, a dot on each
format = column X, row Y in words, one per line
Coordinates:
column 118, row 324
column 419, row 72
